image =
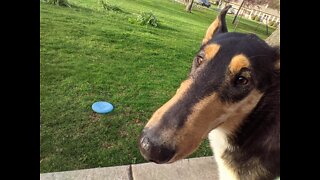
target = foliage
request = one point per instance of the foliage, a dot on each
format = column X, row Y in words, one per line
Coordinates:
column 276, row 24
column 145, row 18
column 257, row 18
column 271, row 23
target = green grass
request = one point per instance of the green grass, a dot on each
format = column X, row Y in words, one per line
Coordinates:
column 89, row 54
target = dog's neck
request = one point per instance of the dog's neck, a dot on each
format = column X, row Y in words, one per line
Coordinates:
column 219, row 144
column 239, row 155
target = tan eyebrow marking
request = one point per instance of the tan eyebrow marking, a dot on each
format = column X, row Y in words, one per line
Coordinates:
column 211, row 50
column 238, row 62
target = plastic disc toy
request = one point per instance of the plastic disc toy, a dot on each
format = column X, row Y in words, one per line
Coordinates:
column 102, row 107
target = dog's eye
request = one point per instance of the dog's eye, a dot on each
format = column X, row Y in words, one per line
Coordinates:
column 199, row 60
column 240, row 80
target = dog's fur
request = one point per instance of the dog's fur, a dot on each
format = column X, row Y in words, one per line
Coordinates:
column 232, row 96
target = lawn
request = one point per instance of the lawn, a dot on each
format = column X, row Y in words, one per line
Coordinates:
column 88, row 54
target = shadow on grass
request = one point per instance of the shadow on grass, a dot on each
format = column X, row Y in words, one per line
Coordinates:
column 85, row 9
column 70, row 6
column 165, row 27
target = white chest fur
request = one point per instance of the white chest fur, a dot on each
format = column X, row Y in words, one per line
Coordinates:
column 218, row 142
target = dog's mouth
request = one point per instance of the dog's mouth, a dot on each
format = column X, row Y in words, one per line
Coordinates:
column 154, row 150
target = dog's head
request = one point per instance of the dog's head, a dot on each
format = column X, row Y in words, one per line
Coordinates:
column 229, row 75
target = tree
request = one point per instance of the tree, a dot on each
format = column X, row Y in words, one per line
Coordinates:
column 234, row 19
column 189, row 4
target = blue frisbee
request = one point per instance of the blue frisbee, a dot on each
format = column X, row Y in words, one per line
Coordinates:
column 102, row 107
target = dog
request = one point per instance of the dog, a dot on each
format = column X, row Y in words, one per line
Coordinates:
column 231, row 96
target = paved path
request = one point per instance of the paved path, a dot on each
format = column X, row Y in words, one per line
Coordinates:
column 203, row 168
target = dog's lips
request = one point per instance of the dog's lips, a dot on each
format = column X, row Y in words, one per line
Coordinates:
column 173, row 159
column 179, row 156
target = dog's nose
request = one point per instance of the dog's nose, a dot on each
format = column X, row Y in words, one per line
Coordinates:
column 153, row 151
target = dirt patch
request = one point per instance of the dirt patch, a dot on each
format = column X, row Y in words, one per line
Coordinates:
column 123, row 133
column 107, row 145
column 94, row 117
column 137, row 122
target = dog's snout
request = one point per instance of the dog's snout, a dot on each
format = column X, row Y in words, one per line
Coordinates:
column 152, row 150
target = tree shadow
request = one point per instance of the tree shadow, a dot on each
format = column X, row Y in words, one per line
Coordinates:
column 85, row 9
column 165, row 27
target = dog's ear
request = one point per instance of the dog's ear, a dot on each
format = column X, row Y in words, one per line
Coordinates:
column 217, row 26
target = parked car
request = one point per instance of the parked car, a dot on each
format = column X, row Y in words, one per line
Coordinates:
column 232, row 11
column 205, row 3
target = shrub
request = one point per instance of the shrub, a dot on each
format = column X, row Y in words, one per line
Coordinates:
column 257, row 18
column 145, row 18
column 271, row 23
column 253, row 17
column 276, row 24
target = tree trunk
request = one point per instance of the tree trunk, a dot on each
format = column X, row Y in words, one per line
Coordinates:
column 235, row 17
column 189, row 6
column 274, row 38
column 220, row 4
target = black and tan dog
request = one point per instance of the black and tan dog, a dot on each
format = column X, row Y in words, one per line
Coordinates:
column 231, row 96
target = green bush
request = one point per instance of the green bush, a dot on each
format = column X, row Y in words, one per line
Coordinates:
column 271, row 23
column 275, row 24
column 257, row 18
column 110, row 7
column 253, row 17
column 58, row 2
column 145, row 18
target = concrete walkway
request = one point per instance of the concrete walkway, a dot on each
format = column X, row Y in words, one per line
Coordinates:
column 203, row 168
